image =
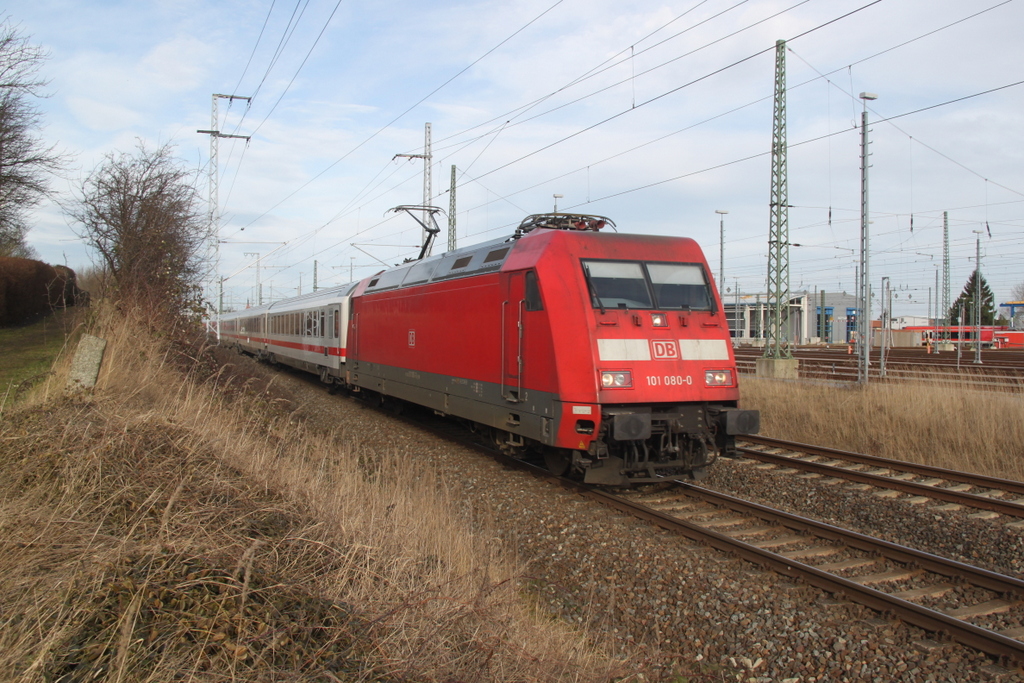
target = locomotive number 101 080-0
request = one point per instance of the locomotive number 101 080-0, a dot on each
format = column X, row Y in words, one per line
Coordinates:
column 668, row 380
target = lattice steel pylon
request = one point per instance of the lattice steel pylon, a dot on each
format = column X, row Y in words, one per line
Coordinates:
column 213, row 255
column 945, row 275
column 777, row 343
column 427, row 157
column 451, row 213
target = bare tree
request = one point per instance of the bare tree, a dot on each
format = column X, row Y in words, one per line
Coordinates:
column 141, row 212
column 26, row 162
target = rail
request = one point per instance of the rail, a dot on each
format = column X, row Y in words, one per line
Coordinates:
column 931, row 490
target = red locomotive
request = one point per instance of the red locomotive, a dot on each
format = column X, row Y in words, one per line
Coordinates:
column 606, row 352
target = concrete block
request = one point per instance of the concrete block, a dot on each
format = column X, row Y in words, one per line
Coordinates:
column 85, row 366
column 778, row 368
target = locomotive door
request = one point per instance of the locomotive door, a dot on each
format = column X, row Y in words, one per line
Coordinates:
column 512, row 334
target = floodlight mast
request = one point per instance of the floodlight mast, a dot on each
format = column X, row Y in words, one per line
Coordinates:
column 721, row 246
column 864, row 323
column 977, row 299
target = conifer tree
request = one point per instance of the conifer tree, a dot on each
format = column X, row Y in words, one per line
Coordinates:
column 966, row 301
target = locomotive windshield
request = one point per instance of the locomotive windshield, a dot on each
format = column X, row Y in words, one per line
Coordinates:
column 638, row 284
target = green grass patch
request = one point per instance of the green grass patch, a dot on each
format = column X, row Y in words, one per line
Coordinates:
column 27, row 352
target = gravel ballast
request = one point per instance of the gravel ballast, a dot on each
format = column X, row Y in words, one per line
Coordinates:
column 681, row 608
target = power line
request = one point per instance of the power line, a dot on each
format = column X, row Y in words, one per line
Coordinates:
column 301, row 187
column 593, row 72
column 296, row 74
column 253, row 53
column 796, row 144
column 753, row 102
column 677, row 89
column 905, row 114
column 292, row 24
column 400, row 116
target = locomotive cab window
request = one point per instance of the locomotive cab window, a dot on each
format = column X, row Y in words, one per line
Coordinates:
column 680, row 285
column 533, row 301
column 634, row 284
column 617, row 284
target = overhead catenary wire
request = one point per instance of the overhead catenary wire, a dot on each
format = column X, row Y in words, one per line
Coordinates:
column 641, row 74
column 599, row 199
column 252, row 54
column 404, row 113
column 825, row 76
column 503, row 125
column 676, row 89
column 299, row 69
column 808, row 31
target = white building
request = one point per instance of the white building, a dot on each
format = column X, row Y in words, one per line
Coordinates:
column 748, row 316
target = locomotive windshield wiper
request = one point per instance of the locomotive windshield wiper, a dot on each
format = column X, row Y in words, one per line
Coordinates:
column 593, row 290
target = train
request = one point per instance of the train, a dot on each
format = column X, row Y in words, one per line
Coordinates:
column 604, row 354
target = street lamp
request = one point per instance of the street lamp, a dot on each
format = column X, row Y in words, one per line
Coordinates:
column 977, row 298
column 721, row 245
column 865, row 280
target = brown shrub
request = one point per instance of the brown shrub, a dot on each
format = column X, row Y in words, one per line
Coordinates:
column 30, row 288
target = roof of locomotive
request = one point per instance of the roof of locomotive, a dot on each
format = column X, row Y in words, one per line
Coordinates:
column 520, row 251
column 487, row 257
column 474, row 260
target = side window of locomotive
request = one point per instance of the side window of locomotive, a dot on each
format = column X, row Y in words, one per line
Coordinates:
column 617, row 284
column 533, row 301
column 680, row 285
column 496, row 255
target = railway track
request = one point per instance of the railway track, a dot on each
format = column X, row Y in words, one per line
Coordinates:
column 1002, row 369
column 970, row 605
column 922, row 482
column 975, row 607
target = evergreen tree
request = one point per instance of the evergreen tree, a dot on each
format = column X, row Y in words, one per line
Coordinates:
column 966, row 300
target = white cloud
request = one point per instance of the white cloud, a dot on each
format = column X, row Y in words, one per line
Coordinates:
column 103, row 116
column 149, row 69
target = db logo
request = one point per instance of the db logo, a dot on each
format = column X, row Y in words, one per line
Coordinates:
column 665, row 349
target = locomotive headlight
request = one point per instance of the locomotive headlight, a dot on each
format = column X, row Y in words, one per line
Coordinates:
column 659, row 320
column 718, row 378
column 616, row 380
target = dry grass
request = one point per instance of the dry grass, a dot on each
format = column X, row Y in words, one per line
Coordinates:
column 177, row 526
column 945, row 425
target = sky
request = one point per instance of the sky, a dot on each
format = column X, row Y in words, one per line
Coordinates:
column 655, row 113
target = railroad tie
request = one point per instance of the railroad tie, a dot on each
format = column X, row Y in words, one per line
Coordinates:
column 816, row 551
column 752, row 531
column 997, row 606
column 780, row 541
column 887, row 577
column 724, row 521
column 1016, row 633
column 934, row 591
column 855, row 563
